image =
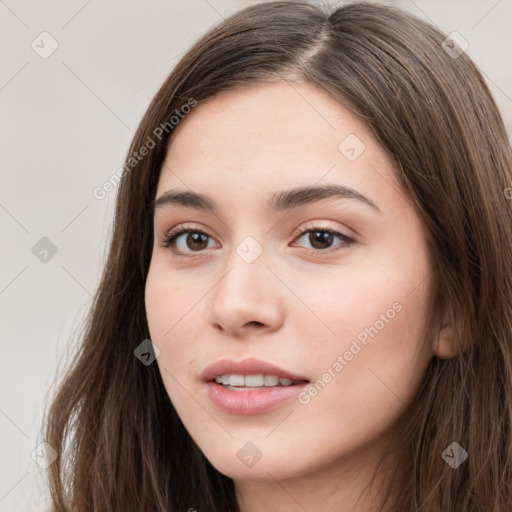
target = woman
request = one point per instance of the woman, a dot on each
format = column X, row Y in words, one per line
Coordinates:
column 307, row 303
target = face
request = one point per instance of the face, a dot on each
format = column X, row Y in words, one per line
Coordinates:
column 329, row 285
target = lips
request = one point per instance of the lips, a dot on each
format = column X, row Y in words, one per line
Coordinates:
column 237, row 399
column 250, row 366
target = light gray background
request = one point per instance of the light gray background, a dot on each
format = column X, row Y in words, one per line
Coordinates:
column 66, row 123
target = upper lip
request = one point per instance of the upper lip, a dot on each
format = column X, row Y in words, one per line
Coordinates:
column 249, row 366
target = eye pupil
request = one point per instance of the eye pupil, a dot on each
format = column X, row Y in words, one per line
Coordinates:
column 320, row 237
column 198, row 238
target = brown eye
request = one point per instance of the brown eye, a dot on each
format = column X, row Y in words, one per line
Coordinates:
column 187, row 241
column 322, row 239
column 196, row 241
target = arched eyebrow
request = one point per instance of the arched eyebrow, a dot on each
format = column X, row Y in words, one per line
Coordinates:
column 281, row 200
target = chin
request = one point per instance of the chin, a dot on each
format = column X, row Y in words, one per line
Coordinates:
column 236, row 463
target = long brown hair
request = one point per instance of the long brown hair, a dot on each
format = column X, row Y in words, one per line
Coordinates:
column 122, row 445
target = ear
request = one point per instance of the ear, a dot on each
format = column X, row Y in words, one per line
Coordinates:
column 444, row 344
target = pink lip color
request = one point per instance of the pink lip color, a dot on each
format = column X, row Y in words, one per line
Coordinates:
column 248, row 366
column 251, row 401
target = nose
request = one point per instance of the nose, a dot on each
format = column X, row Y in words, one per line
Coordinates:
column 247, row 298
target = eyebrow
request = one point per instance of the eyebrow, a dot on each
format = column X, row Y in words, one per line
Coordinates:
column 282, row 200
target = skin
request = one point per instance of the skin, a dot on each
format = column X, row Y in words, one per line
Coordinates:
column 294, row 306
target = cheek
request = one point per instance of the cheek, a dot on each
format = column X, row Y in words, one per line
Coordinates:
column 172, row 301
column 368, row 371
column 172, row 309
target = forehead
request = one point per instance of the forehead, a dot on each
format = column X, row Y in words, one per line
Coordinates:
column 263, row 137
column 282, row 115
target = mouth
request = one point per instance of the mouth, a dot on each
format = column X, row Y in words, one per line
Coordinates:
column 249, row 372
column 240, row 382
column 250, row 386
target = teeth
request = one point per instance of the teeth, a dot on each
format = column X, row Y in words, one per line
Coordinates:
column 236, row 380
column 271, row 380
column 252, row 381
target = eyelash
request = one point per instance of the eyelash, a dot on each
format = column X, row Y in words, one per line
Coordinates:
column 171, row 236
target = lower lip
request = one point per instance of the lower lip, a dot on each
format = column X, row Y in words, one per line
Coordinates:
column 251, row 401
